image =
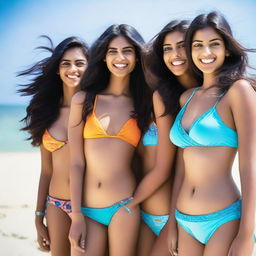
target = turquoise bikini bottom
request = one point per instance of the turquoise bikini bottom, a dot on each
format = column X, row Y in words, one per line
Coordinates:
column 154, row 222
column 202, row 227
column 104, row 215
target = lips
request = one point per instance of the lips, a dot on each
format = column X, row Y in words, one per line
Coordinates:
column 177, row 62
column 73, row 76
column 120, row 66
column 207, row 61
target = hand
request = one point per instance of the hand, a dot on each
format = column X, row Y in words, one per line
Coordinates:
column 172, row 237
column 42, row 234
column 77, row 232
column 242, row 246
column 131, row 205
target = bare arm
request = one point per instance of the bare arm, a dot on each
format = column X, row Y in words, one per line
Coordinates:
column 164, row 158
column 242, row 101
column 242, row 98
column 43, row 190
column 77, row 168
column 77, row 160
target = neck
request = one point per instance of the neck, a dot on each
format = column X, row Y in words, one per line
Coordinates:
column 209, row 81
column 187, row 81
column 118, row 85
column 68, row 93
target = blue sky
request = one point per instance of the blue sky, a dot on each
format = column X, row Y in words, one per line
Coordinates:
column 23, row 21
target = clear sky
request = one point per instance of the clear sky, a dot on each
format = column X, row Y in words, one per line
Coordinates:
column 23, row 21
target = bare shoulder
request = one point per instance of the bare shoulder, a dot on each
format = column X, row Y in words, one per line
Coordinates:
column 157, row 98
column 185, row 95
column 78, row 98
column 241, row 90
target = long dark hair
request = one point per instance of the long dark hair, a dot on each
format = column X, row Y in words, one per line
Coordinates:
column 97, row 75
column 234, row 66
column 46, row 88
column 160, row 77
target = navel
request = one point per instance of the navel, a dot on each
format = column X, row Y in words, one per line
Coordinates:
column 99, row 184
column 193, row 191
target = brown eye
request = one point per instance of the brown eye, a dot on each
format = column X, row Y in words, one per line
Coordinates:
column 166, row 49
column 81, row 64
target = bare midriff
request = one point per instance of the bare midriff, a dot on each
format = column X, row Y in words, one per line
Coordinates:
column 208, row 185
column 59, row 185
column 108, row 176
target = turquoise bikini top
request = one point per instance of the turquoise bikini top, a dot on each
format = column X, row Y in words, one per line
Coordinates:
column 208, row 130
column 150, row 138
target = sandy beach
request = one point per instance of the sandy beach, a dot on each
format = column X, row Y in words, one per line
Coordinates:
column 18, row 189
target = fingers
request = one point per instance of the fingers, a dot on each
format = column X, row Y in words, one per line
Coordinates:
column 78, row 244
column 78, row 247
column 173, row 252
column 43, row 244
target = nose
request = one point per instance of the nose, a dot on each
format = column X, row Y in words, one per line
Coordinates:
column 73, row 67
column 207, row 50
column 120, row 56
column 176, row 52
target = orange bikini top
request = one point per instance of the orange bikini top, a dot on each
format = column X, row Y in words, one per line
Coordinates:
column 50, row 143
column 129, row 132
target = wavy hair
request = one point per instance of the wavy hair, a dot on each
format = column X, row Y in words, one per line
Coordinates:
column 234, row 66
column 97, row 75
column 46, row 88
column 159, row 76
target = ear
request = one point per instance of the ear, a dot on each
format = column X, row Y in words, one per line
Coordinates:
column 227, row 54
column 104, row 60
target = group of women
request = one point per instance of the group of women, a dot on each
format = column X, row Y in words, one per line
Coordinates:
column 140, row 140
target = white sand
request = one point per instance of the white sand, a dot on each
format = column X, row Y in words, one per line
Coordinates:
column 19, row 174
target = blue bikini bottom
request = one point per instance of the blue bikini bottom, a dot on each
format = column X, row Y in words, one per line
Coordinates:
column 202, row 227
column 154, row 222
column 104, row 215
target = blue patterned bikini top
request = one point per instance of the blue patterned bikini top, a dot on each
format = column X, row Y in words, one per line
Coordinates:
column 208, row 130
column 150, row 138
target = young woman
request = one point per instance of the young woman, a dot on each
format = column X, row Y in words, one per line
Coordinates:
column 215, row 121
column 56, row 79
column 167, row 62
column 113, row 104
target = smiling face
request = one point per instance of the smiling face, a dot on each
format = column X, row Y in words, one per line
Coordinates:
column 120, row 57
column 174, row 53
column 72, row 66
column 208, row 50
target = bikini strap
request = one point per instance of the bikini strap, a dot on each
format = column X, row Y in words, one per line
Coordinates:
column 191, row 96
column 218, row 100
column 95, row 103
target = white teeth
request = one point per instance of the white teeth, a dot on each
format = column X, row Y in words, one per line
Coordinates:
column 207, row 61
column 120, row 65
column 178, row 62
column 72, row 76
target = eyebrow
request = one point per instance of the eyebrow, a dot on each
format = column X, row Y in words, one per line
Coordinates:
column 126, row 47
column 209, row 40
column 75, row 60
column 180, row 42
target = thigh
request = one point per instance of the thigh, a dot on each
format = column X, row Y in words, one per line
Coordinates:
column 160, row 246
column 95, row 241
column 145, row 240
column 58, row 223
column 188, row 245
column 123, row 232
column 222, row 238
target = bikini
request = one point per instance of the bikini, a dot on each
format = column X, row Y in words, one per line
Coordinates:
column 155, row 222
column 208, row 130
column 129, row 133
column 52, row 145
